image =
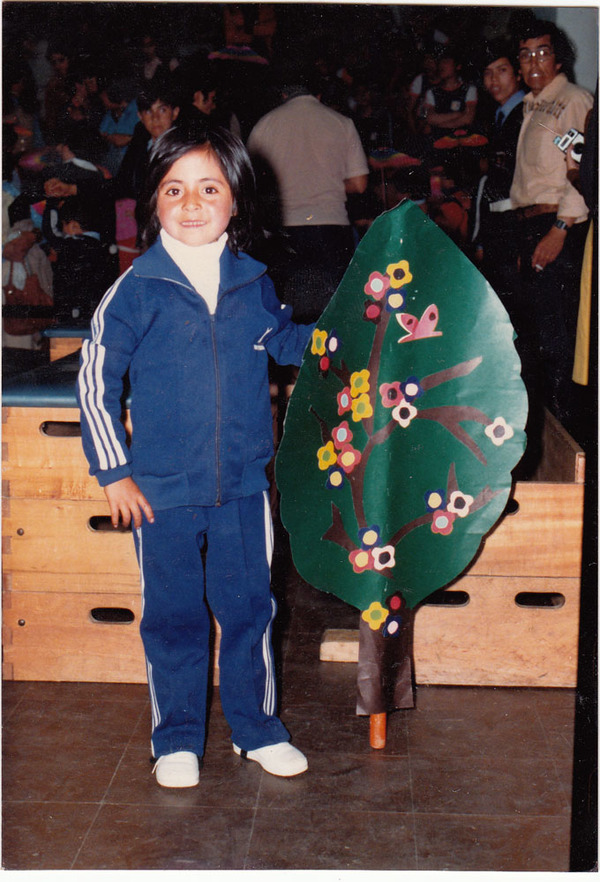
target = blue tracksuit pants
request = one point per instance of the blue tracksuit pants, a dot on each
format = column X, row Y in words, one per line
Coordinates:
column 189, row 558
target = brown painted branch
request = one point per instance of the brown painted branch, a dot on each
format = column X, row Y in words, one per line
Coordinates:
column 458, row 370
column 450, row 416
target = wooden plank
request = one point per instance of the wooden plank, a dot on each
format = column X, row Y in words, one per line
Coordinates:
column 54, row 536
column 562, row 458
column 491, row 641
column 54, row 637
column 75, row 583
column 543, row 538
column 61, row 346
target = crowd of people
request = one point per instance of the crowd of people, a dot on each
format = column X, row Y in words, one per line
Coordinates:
column 339, row 131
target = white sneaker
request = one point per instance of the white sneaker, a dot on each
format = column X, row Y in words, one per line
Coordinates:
column 278, row 759
column 180, row 769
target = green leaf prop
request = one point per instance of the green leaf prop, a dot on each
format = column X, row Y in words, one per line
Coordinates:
column 405, row 423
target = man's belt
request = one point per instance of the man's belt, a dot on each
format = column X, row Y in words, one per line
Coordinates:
column 534, row 210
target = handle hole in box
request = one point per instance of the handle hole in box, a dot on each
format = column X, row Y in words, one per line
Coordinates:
column 540, row 599
column 444, row 597
column 112, row 615
column 512, row 507
column 61, row 429
column 103, row 524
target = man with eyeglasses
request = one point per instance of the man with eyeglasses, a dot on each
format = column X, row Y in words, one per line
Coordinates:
column 551, row 217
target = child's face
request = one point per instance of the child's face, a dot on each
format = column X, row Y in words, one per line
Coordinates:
column 195, row 203
column 158, row 118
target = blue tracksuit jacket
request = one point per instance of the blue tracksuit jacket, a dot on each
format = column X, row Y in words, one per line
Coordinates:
column 200, row 404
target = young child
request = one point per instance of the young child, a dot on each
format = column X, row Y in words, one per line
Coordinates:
column 82, row 269
column 194, row 320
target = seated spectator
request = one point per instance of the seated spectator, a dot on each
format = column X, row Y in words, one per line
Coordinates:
column 420, row 85
column 452, row 103
column 76, row 173
column 158, row 111
column 24, row 263
column 56, row 95
column 82, row 269
column 119, row 122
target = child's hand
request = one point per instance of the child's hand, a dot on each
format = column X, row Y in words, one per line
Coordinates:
column 127, row 502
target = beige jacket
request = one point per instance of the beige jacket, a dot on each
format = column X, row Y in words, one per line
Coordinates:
column 541, row 169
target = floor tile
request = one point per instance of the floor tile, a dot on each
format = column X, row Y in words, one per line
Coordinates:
column 491, row 843
column 43, row 835
column 318, row 839
column 372, row 783
column 167, row 837
column 485, row 785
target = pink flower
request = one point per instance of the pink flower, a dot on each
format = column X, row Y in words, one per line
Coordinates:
column 442, row 522
column 344, row 400
column 391, row 394
column 377, row 285
column 342, row 435
column 348, row 458
column 361, row 560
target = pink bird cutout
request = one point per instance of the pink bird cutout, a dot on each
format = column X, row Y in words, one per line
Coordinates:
column 417, row 329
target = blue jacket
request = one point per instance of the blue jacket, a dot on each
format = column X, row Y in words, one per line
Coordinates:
column 200, row 404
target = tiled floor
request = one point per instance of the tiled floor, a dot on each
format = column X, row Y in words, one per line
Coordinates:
column 471, row 779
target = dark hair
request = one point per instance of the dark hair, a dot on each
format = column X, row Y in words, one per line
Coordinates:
column 76, row 209
column 502, row 47
column 159, row 88
column 235, row 164
column 564, row 51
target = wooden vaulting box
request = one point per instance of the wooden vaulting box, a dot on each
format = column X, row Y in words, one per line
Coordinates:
column 71, row 587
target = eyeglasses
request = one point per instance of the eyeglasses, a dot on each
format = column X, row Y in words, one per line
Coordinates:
column 542, row 53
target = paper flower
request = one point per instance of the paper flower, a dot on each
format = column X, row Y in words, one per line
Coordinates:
column 404, row 413
column 342, row 435
column 362, row 408
column 359, row 383
column 333, row 343
column 395, row 603
column 499, row 431
column 372, row 312
column 319, row 338
column 361, row 560
column 369, row 536
column 435, row 499
column 399, row 274
column 394, row 301
column 460, row 503
column 442, row 522
column 344, row 401
column 384, row 558
column 348, row 458
column 326, row 456
column 324, row 363
column 377, row 285
column 411, row 388
column 375, row 616
column 392, row 626
column 335, row 478
column 391, row 394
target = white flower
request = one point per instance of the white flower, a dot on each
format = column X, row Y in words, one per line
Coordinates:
column 404, row 413
column 499, row 431
column 384, row 558
column 460, row 503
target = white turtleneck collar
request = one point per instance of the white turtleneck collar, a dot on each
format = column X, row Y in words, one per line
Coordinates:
column 199, row 263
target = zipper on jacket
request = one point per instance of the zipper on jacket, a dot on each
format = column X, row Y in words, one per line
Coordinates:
column 218, row 406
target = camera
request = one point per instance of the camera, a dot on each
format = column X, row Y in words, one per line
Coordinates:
column 563, row 142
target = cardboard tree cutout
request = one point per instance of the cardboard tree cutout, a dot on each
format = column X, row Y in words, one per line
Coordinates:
column 405, row 423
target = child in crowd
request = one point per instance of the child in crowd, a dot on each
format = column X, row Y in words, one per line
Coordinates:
column 82, row 267
column 194, row 320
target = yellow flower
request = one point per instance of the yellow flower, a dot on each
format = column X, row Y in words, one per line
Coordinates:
column 359, row 383
column 361, row 408
column 327, row 456
column 375, row 615
column 318, row 342
column 399, row 274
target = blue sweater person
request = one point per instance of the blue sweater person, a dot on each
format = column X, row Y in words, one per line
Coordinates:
column 193, row 322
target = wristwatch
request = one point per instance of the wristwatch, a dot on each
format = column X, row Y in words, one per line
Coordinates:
column 560, row 224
